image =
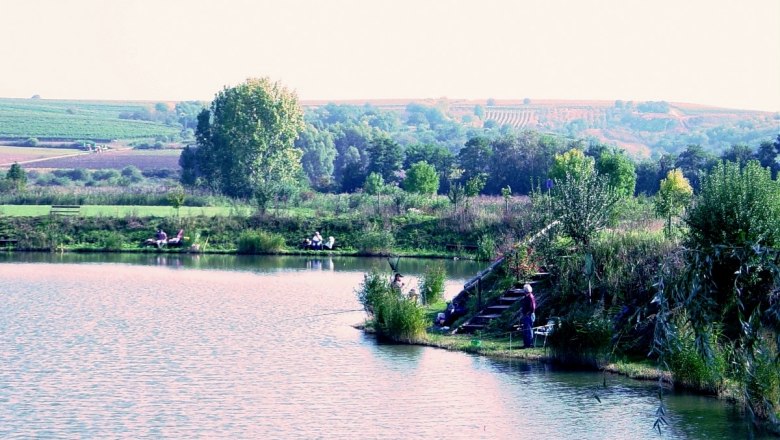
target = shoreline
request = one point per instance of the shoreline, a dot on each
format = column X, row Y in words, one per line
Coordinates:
column 505, row 349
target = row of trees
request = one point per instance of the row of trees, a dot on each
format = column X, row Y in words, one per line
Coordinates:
column 254, row 141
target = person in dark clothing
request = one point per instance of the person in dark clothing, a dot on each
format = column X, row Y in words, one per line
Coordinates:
column 527, row 316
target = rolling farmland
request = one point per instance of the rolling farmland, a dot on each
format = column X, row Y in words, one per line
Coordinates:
column 72, row 120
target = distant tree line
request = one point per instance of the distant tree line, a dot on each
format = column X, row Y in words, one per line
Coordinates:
column 255, row 137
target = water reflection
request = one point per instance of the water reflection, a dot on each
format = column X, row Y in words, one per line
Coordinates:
column 459, row 269
column 249, row 348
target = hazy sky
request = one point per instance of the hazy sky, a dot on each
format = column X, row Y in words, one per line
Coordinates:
column 717, row 52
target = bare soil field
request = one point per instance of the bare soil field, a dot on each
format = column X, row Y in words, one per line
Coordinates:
column 116, row 159
column 9, row 155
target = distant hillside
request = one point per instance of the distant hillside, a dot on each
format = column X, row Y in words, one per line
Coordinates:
column 101, row 121
column 641, row 128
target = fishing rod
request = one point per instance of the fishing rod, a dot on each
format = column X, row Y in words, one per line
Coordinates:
column 322, row 314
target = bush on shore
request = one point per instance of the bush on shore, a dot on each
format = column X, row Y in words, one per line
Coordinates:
column 393, row 316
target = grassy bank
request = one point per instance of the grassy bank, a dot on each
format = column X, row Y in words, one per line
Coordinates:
column 360, row 227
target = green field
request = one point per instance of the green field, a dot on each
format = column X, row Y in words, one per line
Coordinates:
column 60, row 119
column 117, row 211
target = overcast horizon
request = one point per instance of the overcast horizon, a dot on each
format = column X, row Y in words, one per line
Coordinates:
column 715, row 53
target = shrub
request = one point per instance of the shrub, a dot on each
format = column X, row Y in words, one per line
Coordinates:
column 255, row 242
column 486, row 248
column 762, row 381
column 132, row 174
column 375, row 242
column 373, row 286
column 401, row 319
column 111, row 241
column 394, row 317
column 689, row 367
column 736, row 206
column 432, row 283
column 583, row 337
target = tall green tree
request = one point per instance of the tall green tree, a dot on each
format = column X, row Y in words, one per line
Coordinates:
column 694, row 163
column 319, row 153
column 620, row 170
column 738, row 153
column 583, row 203
column 673, row 196
column 573, row 164
column 474, row 157
column 246, row 140
column 385, row 156
column 768, row 156
column 374, row 184
column 16, row 176
column 421, row 178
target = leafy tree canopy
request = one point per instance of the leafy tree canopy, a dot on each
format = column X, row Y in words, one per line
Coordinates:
column 246, row 140
column 422, row 178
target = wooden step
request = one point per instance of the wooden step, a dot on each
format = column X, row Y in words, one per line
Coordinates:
column 498, row 306
column 491, row 316
column 472, row 326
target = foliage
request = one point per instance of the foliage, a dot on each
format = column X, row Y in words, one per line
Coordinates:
column 319, row 154
column 376, row 241
column 673, row 196
column 111, row 241
column 385, row 157
column 695, row 162
column 582, row 337
column 456, row 194
column 432, row 283
column 522, row 263
column 394, row 316
column 422, row 178
column 620, row 170
column 374, row 184
column 255, row 242
column 176, row 197
column 582, row 202
column 246, row 141
column 689, row 368
column 374, row 285
column 16, row 176
column 486, row 248
column 475, row 184
column 131, row 174
column 731, row 278
column 572, row 164
column 737, row 206
column 506, row 193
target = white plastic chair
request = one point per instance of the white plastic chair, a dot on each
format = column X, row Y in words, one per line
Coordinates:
column 545, row 330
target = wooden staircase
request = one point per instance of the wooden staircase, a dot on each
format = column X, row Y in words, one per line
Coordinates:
column 491, row 311
column 496, row 308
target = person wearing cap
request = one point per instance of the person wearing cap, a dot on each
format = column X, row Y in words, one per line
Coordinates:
column 528, row 311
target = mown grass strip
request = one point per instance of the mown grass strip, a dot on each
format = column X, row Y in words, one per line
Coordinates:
column 118, row 211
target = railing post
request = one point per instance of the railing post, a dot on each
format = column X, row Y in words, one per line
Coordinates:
column 479, row 293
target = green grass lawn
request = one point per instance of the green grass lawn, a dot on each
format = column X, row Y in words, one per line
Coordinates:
column 117, row 211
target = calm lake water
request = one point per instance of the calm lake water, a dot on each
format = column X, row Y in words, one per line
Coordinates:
column 148, row 346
